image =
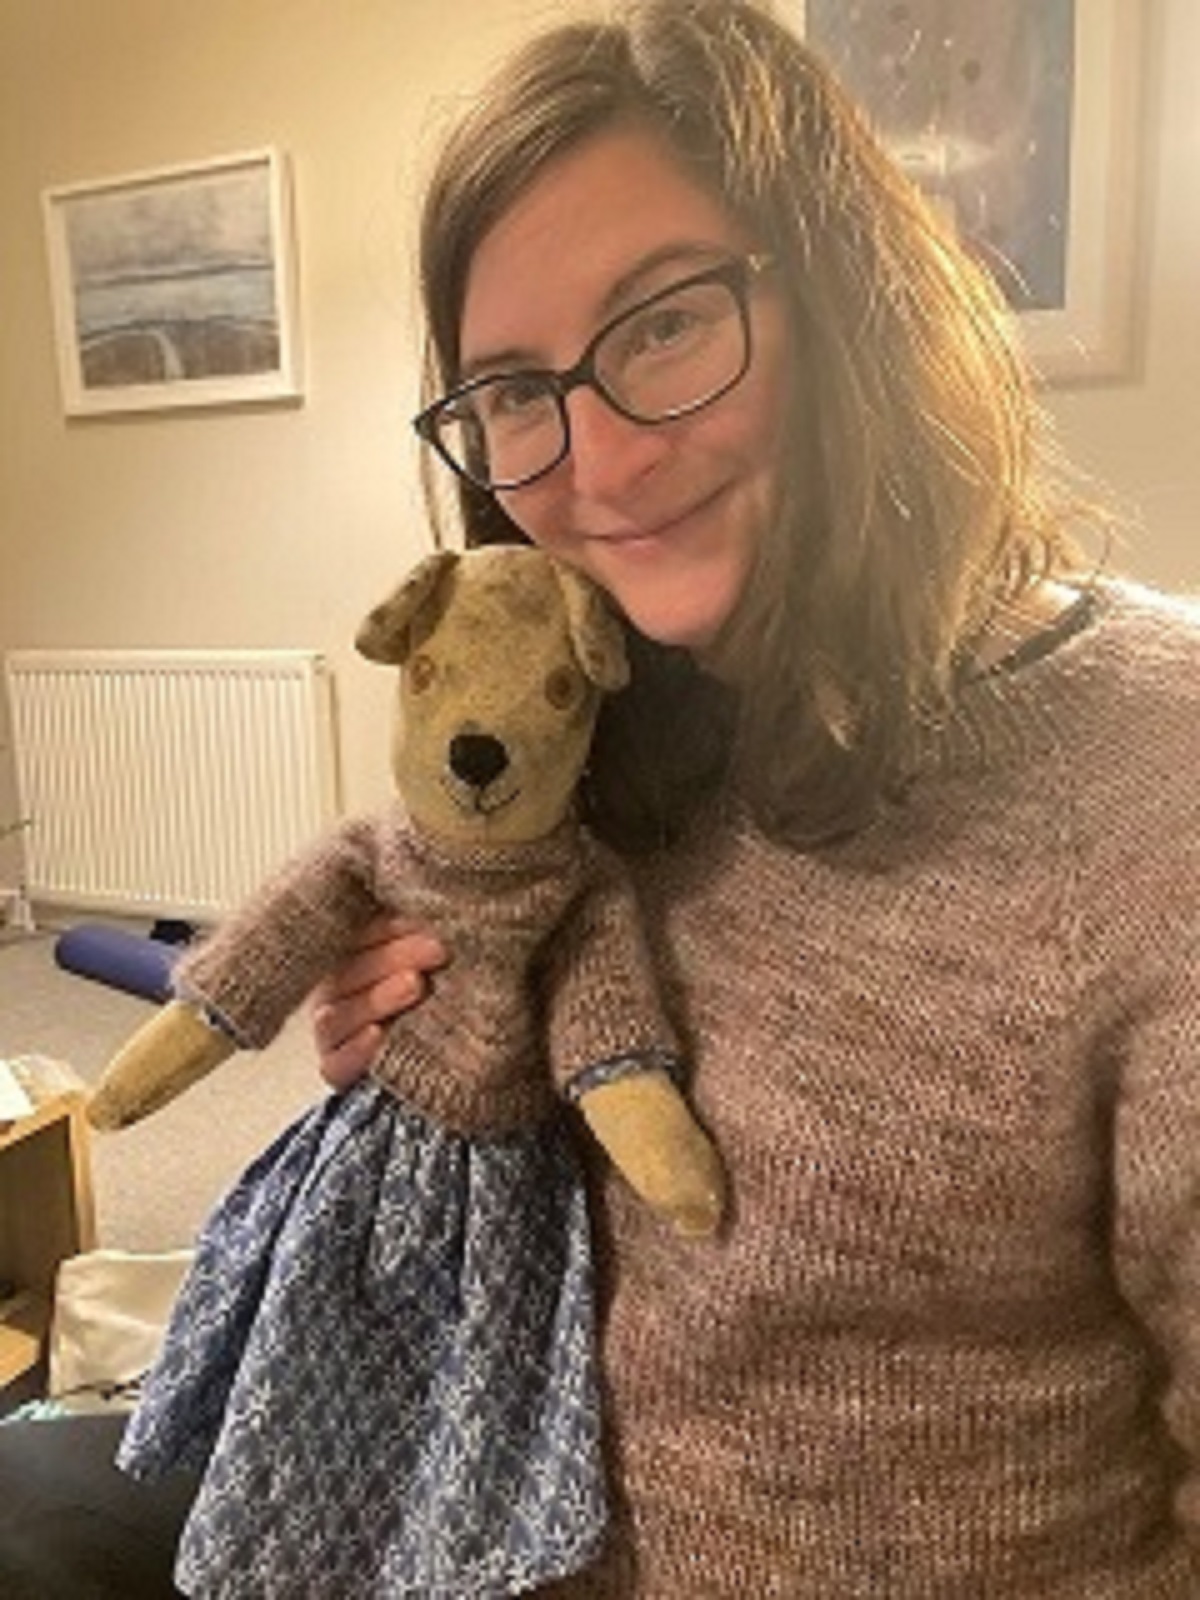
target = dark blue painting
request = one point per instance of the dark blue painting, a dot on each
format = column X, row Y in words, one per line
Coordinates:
column 975, row 101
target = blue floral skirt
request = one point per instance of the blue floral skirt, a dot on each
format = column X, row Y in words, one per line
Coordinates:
column 384, row 1359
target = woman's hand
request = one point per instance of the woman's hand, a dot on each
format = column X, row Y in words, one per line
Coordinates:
column 388, row 973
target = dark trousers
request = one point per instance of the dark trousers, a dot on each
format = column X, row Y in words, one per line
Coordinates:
column 74, row 1528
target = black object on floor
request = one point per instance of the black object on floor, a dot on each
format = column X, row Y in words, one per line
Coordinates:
column 74, row 1528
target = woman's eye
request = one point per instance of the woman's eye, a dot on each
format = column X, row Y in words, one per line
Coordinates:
column 562, row 688
column 421, row 672
column 683, row 323
column 664, row 326
column 512, row 399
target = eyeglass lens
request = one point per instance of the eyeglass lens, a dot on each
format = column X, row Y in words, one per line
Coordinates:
column 665, row 357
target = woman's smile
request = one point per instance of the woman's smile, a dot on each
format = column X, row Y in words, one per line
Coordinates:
column 657, row 531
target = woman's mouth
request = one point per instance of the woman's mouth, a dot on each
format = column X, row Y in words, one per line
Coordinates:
column 659, row 532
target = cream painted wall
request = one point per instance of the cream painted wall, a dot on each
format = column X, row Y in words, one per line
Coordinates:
column 1142, row 433
column 279, row 526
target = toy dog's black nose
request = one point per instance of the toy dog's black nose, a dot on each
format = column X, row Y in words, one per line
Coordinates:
column 477, row 758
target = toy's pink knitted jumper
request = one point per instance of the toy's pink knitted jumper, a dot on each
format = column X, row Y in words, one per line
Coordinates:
column 550, row 980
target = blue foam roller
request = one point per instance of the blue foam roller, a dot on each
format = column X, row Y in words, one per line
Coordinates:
column 121, row 959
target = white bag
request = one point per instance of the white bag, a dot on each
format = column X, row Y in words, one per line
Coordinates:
column 110, row 1313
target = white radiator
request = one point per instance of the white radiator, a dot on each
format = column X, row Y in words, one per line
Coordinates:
column 167, row 782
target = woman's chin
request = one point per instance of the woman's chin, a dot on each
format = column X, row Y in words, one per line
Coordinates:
column 686, row 622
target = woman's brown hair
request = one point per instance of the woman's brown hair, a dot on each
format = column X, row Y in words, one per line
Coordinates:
column 914, row 496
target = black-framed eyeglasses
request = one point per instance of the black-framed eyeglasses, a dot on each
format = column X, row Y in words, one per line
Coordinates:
column 671, row 354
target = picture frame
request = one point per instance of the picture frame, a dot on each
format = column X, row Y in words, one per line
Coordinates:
column 1058, row 148
column 175, row 287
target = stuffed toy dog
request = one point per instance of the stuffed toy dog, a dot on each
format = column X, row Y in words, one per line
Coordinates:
column 385, row 1355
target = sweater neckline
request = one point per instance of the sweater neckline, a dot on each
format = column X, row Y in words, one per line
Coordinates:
column 1017, row 707
column 1072, row 619
column 553, row 852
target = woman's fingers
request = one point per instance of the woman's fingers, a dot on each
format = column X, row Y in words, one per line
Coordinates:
column 343, row 1066
column 388, row 973
column 385, row 949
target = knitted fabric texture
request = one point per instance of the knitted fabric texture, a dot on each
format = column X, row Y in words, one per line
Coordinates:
column 950, row 1344
column 551, row 975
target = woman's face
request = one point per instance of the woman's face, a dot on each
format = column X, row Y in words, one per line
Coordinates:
column 666, row 517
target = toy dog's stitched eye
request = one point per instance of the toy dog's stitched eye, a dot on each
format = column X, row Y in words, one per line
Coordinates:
column 421, row 673
column 562, row 687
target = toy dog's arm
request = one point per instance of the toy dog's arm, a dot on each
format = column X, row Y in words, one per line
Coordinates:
column 654, row 1141
column 174, row 1050
column 611, row 1048
column 251, row 974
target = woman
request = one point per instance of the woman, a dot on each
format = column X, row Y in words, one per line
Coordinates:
column 913, row 810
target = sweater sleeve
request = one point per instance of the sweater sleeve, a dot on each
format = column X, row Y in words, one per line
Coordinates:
column 1157, row 1192
column 259, row 965
column 605, row 1017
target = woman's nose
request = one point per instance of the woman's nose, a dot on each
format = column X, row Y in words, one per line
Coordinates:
column 609, row 453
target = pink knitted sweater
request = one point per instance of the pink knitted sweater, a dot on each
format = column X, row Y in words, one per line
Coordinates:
column 950, row 1345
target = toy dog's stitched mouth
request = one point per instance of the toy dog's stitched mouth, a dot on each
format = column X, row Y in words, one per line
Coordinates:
column 474, row 801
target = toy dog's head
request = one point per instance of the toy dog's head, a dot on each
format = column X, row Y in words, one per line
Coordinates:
column 504, row 655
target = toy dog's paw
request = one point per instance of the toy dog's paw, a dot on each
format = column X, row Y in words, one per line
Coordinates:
column 120, row 1104
column 174, row 1050
column 107, row 1111
column 696, row 1212
column 683, row 1181
column 660, row 1149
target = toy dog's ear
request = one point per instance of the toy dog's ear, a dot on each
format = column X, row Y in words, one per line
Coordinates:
column 388, row 634
column 595, row 632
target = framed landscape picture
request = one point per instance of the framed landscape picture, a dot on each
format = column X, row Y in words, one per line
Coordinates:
column 175, row 287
